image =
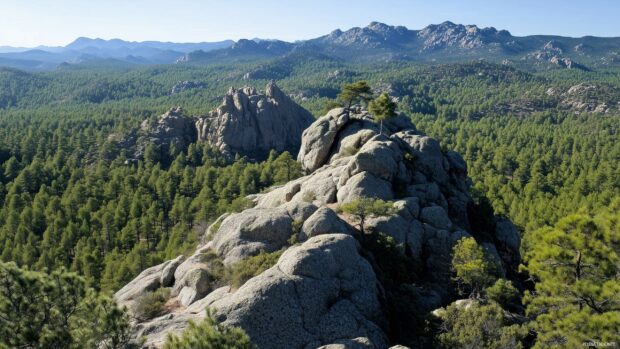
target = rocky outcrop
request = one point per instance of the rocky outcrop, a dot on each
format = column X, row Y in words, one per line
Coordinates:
column 324, row 221
column 149, row 280
column 323, row 291
column 319, row 138
column 552, row 53
column 182, row 86
column 318, row 292
column 252, row 123
column 587, row 98
column 258, row 229
column 376, row 35
column 450, row 35
column 247, row 123
column 172, row 129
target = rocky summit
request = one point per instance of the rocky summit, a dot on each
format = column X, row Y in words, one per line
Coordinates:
column 448, row 34
column 326, row 289
column 252, row 123
column 248, row 123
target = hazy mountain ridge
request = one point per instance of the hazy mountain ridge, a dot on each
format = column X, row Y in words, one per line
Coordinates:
column 376, row 42
column 86, row 49
column 438, row 42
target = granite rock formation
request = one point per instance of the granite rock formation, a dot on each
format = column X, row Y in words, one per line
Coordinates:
column 324, row 291
column 252, row 123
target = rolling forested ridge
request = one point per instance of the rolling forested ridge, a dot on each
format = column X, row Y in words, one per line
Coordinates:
column 81, row 216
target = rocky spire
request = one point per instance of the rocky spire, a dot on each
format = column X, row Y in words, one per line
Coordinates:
column 250, row 123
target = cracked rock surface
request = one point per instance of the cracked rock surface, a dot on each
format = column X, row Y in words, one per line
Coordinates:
column 319, row 292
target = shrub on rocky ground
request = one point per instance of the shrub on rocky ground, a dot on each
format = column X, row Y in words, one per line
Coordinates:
column 151, row 304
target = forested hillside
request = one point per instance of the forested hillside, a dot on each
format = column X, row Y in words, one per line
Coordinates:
column 539, row 146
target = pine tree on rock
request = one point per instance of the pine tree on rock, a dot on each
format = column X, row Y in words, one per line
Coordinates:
column 382, row 108
column 357, row 92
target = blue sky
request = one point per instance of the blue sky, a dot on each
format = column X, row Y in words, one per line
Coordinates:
column 58, row 22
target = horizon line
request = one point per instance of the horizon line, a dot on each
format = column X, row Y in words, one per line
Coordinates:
column 141, row 41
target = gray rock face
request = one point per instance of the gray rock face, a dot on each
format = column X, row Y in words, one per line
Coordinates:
column 172, row 129
column 247, row 233
column 427, row 155
column 379, row 156
column 450, row 35
column 149, row 280
column 319, row 292
column 507, row 234
column 318, row 139
column 410, row 233
column 167, row 274
column 324, row 221
column 154, row 332
column 252, row 123
column 182, row 86
column 508, row 241
column 436, row 216
column 365, row 184
column 408, row 208
column 194, row 285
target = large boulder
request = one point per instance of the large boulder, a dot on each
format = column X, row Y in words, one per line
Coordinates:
column 408, row 208
column 409, row 233
column 365, row 184
column 192, row 278
column 245, row 234
column 252, row 123
column 426, row 154
column 149, row 280
column 318, row 293
column 379, row 156
column 506, row 233
column 436, row 216
column 317, row 139
column 324, row 221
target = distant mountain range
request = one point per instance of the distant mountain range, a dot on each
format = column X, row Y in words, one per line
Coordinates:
column 376, row 42
column 92, row 50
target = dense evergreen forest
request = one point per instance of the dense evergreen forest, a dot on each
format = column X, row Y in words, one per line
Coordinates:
column 70, row 200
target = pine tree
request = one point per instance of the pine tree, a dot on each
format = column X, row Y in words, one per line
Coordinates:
column 576, row 265
column 57, row 310
column 473, row 269
column 382, row 108
column 356, row 92
column 363, row 208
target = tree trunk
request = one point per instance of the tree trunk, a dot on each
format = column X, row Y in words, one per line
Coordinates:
column 578, row 274
column 362, row 225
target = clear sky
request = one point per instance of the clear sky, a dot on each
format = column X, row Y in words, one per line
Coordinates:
column 58, row 22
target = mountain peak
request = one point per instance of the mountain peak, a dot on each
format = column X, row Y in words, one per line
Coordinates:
column 449, row 34
column 378, row 26
column 81, row 41
column 447, row 24
column 376, row 34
